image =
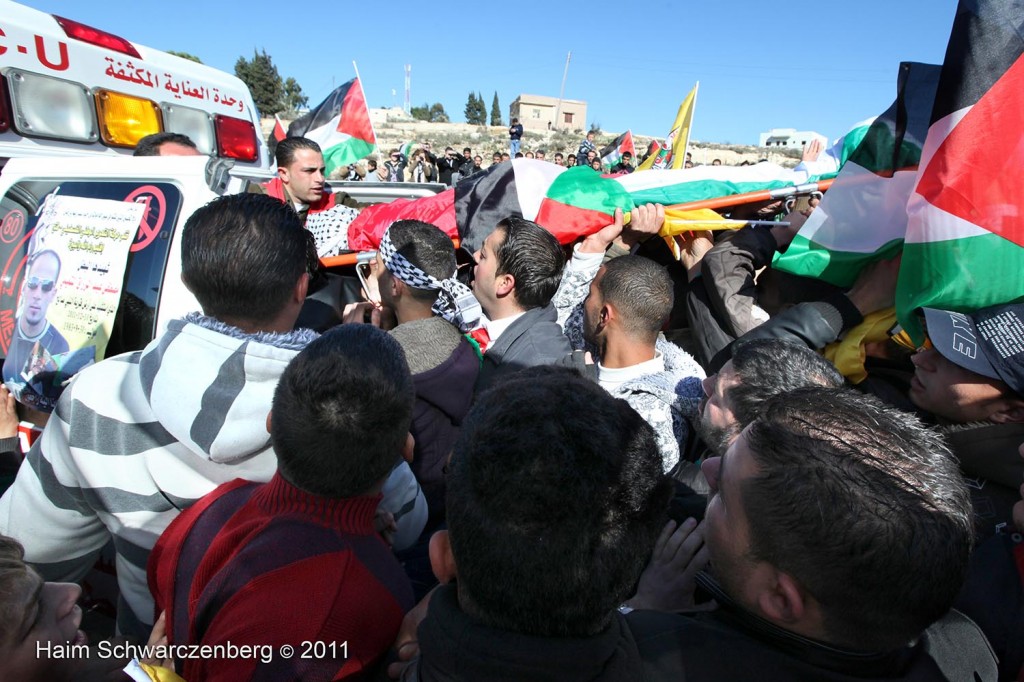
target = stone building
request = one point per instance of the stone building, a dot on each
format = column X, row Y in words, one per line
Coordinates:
column 536, row 112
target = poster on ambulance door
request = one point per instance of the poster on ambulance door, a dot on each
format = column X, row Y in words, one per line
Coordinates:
column 69, row 293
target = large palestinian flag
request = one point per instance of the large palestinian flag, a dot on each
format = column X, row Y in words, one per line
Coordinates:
column 340, row 125
column 863, row 217
column 569, row 202
column 965, row 239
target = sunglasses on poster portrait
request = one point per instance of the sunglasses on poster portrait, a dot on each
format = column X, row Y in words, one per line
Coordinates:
column 35, row 283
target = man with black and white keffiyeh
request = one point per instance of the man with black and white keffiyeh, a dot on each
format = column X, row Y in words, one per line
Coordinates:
column 416, row 277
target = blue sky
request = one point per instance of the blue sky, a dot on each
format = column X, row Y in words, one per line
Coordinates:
column 819, row 66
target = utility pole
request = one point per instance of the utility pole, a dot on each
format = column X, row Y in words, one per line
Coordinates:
column 561, row 93
column 408, row 89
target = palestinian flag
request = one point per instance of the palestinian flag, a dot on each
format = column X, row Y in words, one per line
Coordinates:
column 863, row 217
column 340, row 125
column 652, row 150
column 965, row 240
column 685, row 185
column 278, row 132
column 570, row 202
column 408, row 148
column 276, row 135
column 612, row 153
column 366, row 231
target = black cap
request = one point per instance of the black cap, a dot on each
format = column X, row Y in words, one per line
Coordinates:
column 989, row 342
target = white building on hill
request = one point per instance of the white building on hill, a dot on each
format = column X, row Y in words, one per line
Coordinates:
column 789, row 138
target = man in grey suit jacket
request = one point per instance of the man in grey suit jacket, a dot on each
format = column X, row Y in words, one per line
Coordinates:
column 517, row 273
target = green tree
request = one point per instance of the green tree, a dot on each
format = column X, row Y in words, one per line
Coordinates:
column 421, row 113
column 265, row 84
column 293, row 97
column 496, row 111
column 481, row 110
column 186, row 55
column 437, row 113
column 475, row 112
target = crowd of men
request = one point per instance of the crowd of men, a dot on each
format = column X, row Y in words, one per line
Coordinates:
column 514, row 474
column 451, row 167
column 421, row 164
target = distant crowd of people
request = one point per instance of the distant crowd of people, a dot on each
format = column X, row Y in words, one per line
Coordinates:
column 421, row 164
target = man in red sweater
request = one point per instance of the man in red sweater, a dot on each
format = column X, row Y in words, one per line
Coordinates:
column 292, row 573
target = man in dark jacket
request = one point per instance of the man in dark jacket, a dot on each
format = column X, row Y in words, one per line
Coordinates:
column 517, row 272
column 448, row 164
column 515, row 136
column 625, row 165
column 546, row 533
column 416, row 277
column 466, row 165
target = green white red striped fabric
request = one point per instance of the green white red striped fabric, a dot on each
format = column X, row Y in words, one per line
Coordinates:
column 863, row 217
column 570, row 202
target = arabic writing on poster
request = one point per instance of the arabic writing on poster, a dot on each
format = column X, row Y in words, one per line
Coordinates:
column 178, row 87
column 69, row 293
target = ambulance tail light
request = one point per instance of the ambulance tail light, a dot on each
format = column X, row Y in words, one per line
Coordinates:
column 236, row 138
column 195, row 123
column 94, row 36
column 124, row 120
column 43, row 106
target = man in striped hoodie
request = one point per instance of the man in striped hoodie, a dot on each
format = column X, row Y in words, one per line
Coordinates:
column 137, row 438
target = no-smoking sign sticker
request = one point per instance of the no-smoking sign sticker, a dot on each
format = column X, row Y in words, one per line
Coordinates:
column 152, row 218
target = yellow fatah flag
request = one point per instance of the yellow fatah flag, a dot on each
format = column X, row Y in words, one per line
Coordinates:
column 679, row 138
column 679, row 222
column 849, row 354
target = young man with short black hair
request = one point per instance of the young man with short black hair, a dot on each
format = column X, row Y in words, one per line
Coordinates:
column 518, row 269
column 298, row 560
column 555, row 496
column 301, row 184
column 862, row 587
column 448, row 164
column 625, row 165
column 758, row 371
column 416, row 277
column 166, row 144
column 615, row 312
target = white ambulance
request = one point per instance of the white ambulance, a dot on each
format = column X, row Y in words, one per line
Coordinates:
column 73, row 90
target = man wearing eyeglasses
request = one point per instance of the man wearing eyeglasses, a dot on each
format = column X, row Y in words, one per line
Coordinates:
column 31, row 326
